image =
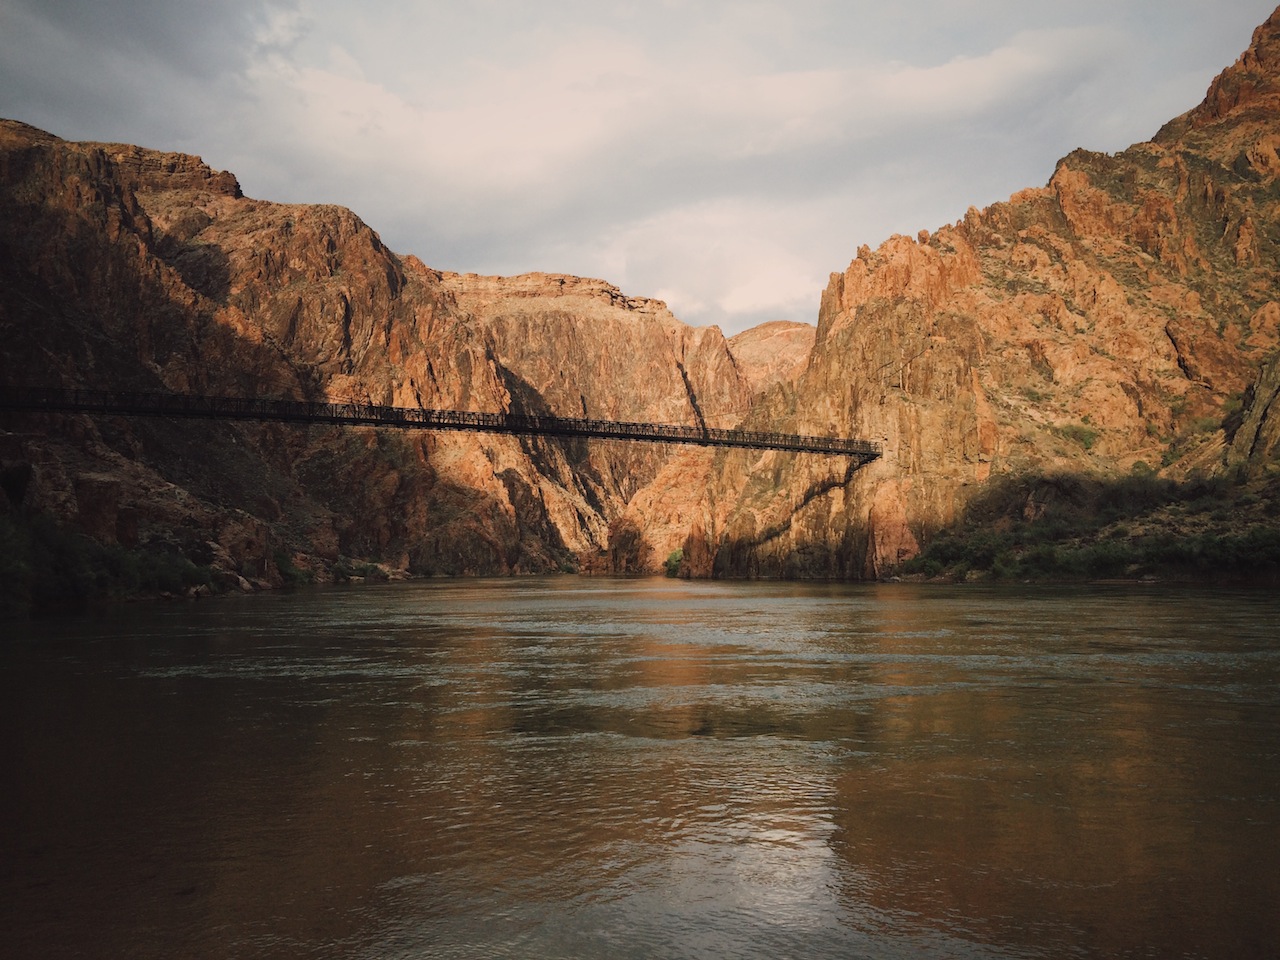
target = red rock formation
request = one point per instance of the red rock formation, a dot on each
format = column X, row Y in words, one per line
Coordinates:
column 128, row 267
column 1111, row 318
column 772, row 353
column 1124, row 314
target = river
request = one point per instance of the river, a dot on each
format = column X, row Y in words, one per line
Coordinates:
column 572, row 767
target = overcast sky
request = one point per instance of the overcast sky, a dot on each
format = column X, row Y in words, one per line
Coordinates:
column 724, row 157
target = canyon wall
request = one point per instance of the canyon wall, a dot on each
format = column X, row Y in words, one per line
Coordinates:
column 130, row 268
column 1116, row 319
column 1121, row 318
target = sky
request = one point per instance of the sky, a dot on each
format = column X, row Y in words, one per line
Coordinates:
column 725, row 157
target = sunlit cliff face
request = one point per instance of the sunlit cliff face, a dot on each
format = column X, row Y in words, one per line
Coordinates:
column 1116, row 318
column 147, row 270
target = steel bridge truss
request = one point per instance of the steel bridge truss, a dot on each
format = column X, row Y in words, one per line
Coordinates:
column 189, row 406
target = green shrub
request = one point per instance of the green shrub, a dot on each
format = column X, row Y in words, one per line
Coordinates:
column 1108, row 558
column 1078, row 433
column 348, row 569
column 1041, row 561
column 51, row 568
column 930, row 568
column 1071, row 540
column 1006, row 566
column 672, row 563
column 289, row 572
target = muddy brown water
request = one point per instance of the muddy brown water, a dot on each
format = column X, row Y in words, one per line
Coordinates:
column 568, row 767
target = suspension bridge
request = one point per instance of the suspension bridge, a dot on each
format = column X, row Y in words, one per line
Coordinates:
column 353, row 413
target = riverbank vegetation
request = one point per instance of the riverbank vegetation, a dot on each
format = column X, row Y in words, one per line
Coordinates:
column 46, row 567
column 1072, row 527
column 1031, row 528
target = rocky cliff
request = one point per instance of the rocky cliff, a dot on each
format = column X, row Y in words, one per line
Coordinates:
column 132, row 268
column 1123, row 318
column 1117, row 318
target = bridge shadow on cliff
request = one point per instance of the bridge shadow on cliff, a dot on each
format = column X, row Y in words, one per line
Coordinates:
column 204, row 267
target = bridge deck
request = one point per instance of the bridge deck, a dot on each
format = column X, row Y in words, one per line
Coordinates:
column 131, row 403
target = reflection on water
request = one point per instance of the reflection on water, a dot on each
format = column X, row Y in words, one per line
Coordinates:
column 598, row 768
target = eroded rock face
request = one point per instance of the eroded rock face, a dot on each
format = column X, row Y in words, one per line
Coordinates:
column 131, row 268
column 773, row 353
column 1116, row 316
column 1124, row 314
column 1255, row 443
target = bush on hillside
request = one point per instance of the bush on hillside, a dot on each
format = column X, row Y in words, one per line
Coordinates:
column 49, row 568
column 1082, row 528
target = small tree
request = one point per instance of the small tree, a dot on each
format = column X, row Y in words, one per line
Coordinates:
column 673, row 562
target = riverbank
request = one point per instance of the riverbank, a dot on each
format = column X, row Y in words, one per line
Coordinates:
column 1138, row 528
column 1065, row 528
column 50, row 568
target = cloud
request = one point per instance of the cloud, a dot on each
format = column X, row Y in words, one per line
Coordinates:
column 969, row 86
column 278, row 28
column 725, row 157
column 144, row 71
column 593, row 110
column 699, row 183
column 723, row 260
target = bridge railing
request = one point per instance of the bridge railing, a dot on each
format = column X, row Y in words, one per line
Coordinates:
column 356, row 413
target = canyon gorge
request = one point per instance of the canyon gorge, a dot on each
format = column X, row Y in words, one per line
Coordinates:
column 1122, row 320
